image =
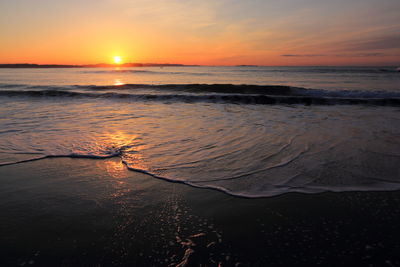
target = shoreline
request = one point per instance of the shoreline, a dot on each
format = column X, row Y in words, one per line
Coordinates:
column 73, row 211
column 187, row 183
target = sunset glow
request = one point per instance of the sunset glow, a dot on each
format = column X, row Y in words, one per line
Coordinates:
column 224, row 32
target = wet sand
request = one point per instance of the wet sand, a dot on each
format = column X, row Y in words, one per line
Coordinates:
column 83, row 212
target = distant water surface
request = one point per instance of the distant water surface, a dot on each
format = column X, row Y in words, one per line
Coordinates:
column 330, row 78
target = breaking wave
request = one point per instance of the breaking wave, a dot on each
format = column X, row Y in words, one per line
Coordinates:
column 215, row 98
column 229, row 94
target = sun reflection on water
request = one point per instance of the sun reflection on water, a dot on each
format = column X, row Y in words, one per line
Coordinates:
column 130, row 148
column 118, row 139
column 118, row 82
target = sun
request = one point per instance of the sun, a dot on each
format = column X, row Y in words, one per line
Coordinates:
column 117, row 59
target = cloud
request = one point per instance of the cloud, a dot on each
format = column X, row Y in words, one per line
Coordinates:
column 374, row 43
column 364, row 55
column 306, row 55
column 342, row 55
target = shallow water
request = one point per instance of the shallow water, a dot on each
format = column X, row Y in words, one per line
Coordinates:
column 199, row 136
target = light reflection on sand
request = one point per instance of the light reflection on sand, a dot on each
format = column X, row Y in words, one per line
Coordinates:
column 115, row 169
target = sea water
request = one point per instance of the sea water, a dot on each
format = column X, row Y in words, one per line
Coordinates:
column 248, row 131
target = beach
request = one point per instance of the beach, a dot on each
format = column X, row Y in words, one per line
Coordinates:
column 88, row 212
column 199, row 166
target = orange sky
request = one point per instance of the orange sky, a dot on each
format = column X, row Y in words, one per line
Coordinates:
column 225, row 32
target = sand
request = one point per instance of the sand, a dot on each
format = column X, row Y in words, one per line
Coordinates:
column 83, row 212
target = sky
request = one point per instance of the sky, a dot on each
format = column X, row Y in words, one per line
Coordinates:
column 205, row 32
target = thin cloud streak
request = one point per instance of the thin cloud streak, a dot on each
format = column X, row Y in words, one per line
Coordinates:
column 343, row 55
column 296, row 55
column 374, row 43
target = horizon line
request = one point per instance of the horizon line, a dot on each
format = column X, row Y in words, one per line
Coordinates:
column 146, row 64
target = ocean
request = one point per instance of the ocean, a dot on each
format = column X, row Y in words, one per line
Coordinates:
column 247, row 131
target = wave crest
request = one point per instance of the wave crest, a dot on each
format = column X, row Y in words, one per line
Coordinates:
column 259, row 99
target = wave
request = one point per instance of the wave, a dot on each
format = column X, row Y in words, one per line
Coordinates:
column 282, row 90
column 202, row 88
column 384, row 185
column 192, row 88
column 214, row 98
column 345, row 93
column 154, row 175
column 245, row 89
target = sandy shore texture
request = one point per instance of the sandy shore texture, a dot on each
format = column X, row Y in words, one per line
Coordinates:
column 83, row 212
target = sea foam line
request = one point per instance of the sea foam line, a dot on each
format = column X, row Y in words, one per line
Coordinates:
column 117, row 154
column 278, row 190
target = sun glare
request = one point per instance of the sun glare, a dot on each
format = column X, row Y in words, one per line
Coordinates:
column 117, row 59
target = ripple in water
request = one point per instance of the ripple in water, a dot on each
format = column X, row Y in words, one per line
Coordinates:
column 244, row 150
